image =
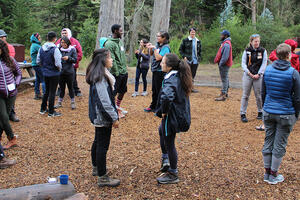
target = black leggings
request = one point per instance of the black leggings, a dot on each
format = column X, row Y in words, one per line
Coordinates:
column 157, row 79
column 51, row 86
column 167, row 144
column 100, row 147
column 66, row 79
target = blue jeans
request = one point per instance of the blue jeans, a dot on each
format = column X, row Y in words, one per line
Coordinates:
column 144, row 72
column 224, row 78
column 39, row 80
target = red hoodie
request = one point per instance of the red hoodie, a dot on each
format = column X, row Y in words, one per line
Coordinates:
column 11, row 50
column 295, row 58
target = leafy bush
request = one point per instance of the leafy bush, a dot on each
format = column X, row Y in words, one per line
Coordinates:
column 175, row 44
column 87, row 36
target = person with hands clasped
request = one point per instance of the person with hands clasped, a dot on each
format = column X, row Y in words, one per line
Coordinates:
column 103, row 113
column 162, row 48
column 142, row 67
column 254, row 62
column 174, row 108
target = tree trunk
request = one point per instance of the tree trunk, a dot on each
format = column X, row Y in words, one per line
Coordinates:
column 253, row 8
column 265, row 5
column 160, row 18
column 133, row 28
column 110, row 12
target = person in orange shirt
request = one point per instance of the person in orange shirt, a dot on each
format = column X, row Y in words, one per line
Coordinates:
column 12, row 53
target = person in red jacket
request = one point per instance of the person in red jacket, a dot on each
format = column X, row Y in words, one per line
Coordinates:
column 12, row 53
column 295, row 58
column 75, row 43
column 224, row 60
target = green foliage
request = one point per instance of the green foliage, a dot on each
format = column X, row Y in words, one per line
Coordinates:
column 87, row 36
column 175, row 44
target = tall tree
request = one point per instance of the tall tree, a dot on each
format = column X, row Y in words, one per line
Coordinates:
column 110, row 12
column 251, row 7
column 160, row 17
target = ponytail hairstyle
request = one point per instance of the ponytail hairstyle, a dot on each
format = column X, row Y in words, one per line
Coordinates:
column 95, row 71
column 5, row 56
column 166, row 36
column 252, row 37
column 185, row 74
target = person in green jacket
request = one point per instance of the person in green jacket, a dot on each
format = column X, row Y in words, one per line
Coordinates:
column 119, row 68
column 35, row 40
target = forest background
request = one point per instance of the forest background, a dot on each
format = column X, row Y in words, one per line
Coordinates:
column 274, row 20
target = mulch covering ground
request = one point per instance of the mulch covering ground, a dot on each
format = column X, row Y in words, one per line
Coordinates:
column 219, row 158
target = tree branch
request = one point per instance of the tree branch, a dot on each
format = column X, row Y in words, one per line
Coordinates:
column 239, row 1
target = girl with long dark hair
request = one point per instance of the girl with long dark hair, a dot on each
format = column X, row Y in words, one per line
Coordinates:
column 174, row 108
column 102, row 112
column 10, row 78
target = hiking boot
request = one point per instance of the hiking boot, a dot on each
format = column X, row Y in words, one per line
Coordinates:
column 58, row 105
column 37, row 97
column 11, row 143
column 266, row 177
column 145, row 93
column 165, row 164
column 168, row 178
column 244, row 118
column 273, row 180
column 13, row 117
column 259, row 116
column 135, row 94
column 43, row 111
column 73, row 106
column 5, row 162
column 105, row 180
column 54, row 114
column 95, row 171
column 223, row 97
column 148, row 109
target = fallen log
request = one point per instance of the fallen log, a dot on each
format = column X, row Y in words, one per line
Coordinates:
column 39, row 192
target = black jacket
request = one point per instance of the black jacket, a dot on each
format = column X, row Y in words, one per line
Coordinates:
column 143, row 60
column 186, row 49
column 173, row 102
column 67, row 65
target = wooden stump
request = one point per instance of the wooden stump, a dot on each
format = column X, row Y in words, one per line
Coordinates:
column 39, row 192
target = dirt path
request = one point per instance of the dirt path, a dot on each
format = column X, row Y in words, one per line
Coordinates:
column 219, row 157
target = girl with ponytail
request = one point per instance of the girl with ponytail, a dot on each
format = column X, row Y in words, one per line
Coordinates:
column 174, row 109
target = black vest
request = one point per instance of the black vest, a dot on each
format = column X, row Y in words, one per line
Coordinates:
column 254, row 59
column 155, row 66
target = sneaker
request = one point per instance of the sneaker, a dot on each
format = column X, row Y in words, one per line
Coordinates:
column 78, row 94
column 54, row 114
column 120, row 113
column 105, row 180
column 73, row 106
column 194, row 91
column 273, row 180
column 37, row 97
column 244, row 118
column 148, row 109
column 165, row 164
column 145, row 93
column 95, row 171
column 13, row 117
column 58, row 105
column 124, row 112
column 5, row 163
column 266, row 177
column 259, row 116
column 43, row 111
column 168, row 178
column 135, row 94
column 11, row 143
column 223, row 97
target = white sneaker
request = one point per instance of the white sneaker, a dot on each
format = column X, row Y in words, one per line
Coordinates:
column 135, row 94
column 145, row 93
column 124, row 112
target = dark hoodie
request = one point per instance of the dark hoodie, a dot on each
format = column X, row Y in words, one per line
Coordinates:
column 67, row 65
column 281, row 89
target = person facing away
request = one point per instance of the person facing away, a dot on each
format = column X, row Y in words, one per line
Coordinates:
column 69, row 58
column 157, row 52
column 143, row 58
column 76, row 44
column 119, row 68
column 11, row 50
column 190, row 50
column 49, row 57
column 10, row 79
column 254, row 63
column 103, row 113
column 174, row 108
column 281, row 106
column 295, row 58
column 224, row 60
column 35, row 40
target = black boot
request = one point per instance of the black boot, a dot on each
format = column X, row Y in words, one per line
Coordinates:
column 244, row 118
